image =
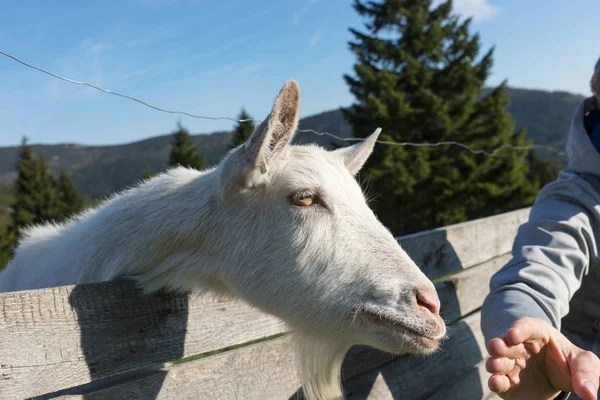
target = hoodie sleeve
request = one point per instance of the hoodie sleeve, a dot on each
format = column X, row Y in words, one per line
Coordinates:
column 551, row 255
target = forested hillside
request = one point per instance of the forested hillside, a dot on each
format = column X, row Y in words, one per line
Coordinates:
column 97, row 169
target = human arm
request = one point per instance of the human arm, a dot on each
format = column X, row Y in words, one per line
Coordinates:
column 551, row 256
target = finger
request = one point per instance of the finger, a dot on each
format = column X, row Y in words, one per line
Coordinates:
column 527, row 330
column 585, row 370
column 498, row 348
column 514, row 376
column 561, row 372
column 499, row 365
column 498, row 383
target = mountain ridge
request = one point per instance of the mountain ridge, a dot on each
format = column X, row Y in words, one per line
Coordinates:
column 97, row 169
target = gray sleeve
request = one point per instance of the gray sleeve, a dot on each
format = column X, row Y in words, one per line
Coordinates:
column 551, row 255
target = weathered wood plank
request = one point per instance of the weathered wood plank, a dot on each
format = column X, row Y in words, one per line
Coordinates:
column 90, row 339
column 55, row 338
column 460, row 295
column 261, row 371
column 421, row 377
column 463, row 388
column 266, row 371
column 67, row 336
column 464, row 292
column 440, row 252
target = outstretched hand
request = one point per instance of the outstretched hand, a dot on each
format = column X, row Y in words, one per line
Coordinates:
column 535, row 361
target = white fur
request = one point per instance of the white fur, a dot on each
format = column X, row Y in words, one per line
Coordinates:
column 234, row 230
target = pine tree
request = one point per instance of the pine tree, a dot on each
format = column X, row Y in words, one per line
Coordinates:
column 70, row 201
column 418, row 77
column 541, row 170
column 26, row 189
column 48, row 208
column 243, row 130
column 7, row 243
column 35, row 191
column 184, row 152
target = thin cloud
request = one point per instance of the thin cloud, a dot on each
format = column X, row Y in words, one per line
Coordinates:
column 99, row 48
column 228, row 46
column 252, row 68
column 314, row 39
column 479, row 10
column 158, row 35
column 254, row 15
column 164, row 3
column 239, row 69
column 300, row 13
column 84, row 63
column 138, row 72
column 231, row 44
column 221, row 69
column 240, row 21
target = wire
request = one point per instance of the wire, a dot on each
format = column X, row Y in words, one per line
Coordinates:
column 444, row 143
column 115, row 93
column 436, row 144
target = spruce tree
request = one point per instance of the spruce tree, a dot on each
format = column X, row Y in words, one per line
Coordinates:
column 70, row 201
column 243, row 130
column 420, row 77
column 48, row 208
column 184, row 152
column 7, row 242
column 35, row 191
column 542, row 170
column 26, row 189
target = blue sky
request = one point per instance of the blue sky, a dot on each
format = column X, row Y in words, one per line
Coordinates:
column 213, row 57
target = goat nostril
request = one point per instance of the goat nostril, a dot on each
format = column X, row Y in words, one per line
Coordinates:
column 428, row 299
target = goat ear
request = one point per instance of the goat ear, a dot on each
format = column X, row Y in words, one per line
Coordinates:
column 270, row 139
column 356, row 155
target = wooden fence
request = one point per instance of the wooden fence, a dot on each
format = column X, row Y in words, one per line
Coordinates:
column 106, row 341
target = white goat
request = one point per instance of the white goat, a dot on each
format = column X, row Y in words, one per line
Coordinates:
column 285, row 228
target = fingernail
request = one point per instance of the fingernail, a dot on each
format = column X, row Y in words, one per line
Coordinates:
column 591, row 387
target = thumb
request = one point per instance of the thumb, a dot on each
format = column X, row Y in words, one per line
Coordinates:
column 585, row 373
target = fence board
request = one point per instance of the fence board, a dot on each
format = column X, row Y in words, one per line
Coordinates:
column 421, row 377
column 463, row 387
column 139, row 336
column 460, row 295
column 67, row 336
column 62, row 337
column 443, row 251
column 464, row 292
column 266, row 371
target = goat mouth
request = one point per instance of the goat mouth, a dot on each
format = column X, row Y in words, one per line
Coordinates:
column 419, row 337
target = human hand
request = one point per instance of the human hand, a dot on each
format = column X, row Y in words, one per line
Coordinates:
column 535, row 361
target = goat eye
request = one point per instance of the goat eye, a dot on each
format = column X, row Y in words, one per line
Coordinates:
column 303, row 199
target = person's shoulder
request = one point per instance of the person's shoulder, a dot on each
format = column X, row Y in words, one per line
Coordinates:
column 572, row 197
column 573, row 181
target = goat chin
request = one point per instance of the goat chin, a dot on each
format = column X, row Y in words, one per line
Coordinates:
column 319, row 363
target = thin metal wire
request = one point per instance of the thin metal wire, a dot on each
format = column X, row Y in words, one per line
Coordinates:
column 444, row 143
column 403, row 144
column 115, row 93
